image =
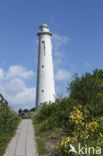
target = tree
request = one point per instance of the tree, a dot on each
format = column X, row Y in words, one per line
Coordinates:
column 88, row 91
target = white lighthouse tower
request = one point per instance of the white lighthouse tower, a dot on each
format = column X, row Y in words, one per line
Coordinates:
column 45, row 77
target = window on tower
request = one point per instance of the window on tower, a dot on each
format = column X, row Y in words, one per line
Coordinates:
column 42, row 91
column 42, row 66
column 44, row 46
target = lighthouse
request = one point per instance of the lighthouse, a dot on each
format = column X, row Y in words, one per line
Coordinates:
column 45, row 77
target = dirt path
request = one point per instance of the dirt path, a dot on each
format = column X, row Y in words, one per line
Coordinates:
column 24, row 142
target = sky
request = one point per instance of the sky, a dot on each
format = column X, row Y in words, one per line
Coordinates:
column 77, row 27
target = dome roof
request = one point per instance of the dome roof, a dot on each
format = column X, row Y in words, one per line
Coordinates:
column 45, row 25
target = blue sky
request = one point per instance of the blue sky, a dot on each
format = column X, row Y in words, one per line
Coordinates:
column 77, row 26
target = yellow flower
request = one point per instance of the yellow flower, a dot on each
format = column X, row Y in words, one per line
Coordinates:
column 52, row 146
column 101, row 134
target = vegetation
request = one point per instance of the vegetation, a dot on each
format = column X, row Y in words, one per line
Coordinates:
column 9, row 121
column 81, row 114
column 41, row 138
column 55, row 114
column 84, row 132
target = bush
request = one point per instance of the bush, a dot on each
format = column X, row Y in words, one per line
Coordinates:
column 26, row 110
column 55, row 114
column 32, row 109
column 81, row 112
column 84, row 132
column 88, row 90
column 8, row 123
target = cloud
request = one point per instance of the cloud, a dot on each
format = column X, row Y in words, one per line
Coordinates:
column 27, row 96
column 24, row 98
column 15, row 89
column 14, row 86
column 58, row 41
column 19, row 71
column 62, row 75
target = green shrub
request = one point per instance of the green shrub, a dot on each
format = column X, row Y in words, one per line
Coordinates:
column 84, row 132
column 85, row 91
column 55, row 114
column 8, row 123
column 88, row 90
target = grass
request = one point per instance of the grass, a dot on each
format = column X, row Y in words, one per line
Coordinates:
column 47, row 139
column 41, row 147
column 41, row 139
column 9, row 121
